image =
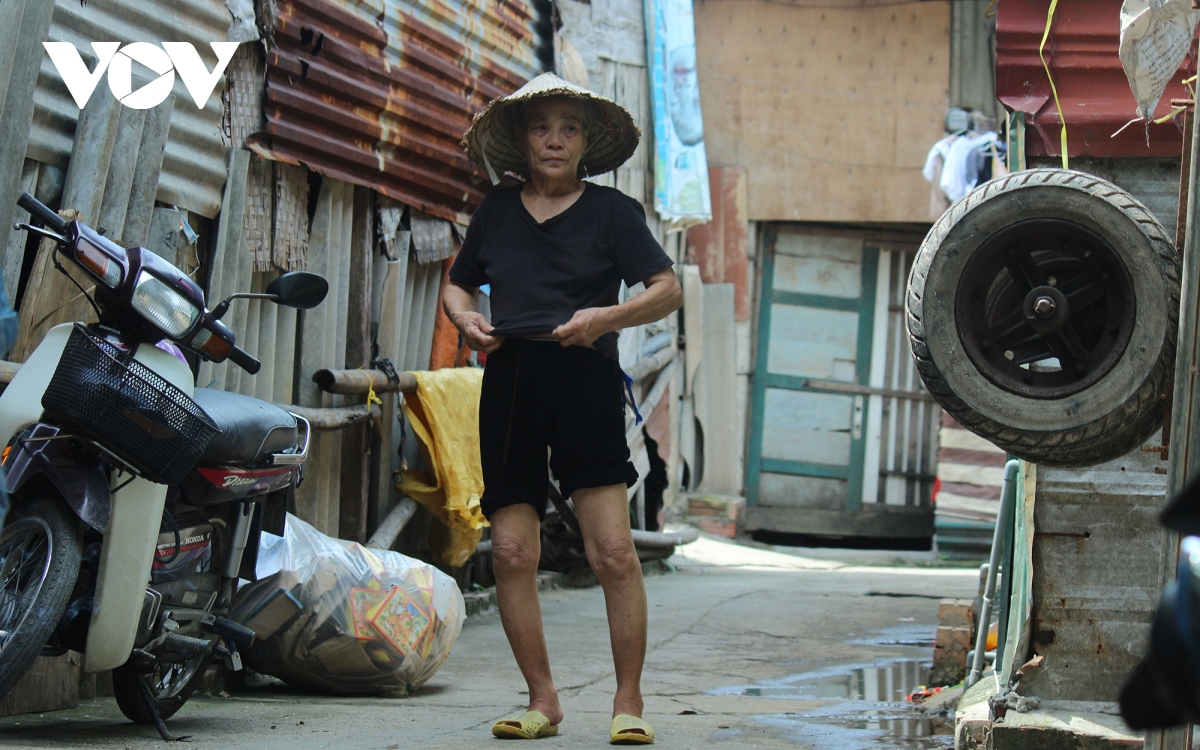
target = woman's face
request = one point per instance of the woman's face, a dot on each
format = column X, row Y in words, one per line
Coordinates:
column 554, row 139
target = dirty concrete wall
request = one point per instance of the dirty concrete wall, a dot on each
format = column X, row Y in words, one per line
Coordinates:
column 604, row 30
column 831, row 109
column 1095, row 575
column 1154, row 182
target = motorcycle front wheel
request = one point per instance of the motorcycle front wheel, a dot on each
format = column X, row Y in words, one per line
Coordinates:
column 170, row 686
column 40, row 552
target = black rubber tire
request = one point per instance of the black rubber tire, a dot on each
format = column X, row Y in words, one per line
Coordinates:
column 1110, row 417
column 131, row 703
column 51, row 600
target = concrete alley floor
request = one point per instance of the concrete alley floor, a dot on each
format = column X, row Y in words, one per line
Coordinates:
column 748, row 648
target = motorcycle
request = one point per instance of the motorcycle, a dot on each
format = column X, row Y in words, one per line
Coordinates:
column 137, row 499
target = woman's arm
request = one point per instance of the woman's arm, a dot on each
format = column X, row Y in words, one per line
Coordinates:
column 459, row 304
column 662, row 297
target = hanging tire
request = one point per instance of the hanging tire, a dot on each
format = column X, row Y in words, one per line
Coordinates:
column 40, row 551
column 1042, row 311
column 170, row 686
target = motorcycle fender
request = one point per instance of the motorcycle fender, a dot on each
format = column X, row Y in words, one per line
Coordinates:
column 21, row 402
column 77, row 476
column 128, row 549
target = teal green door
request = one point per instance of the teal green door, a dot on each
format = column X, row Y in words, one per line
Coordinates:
column 819, row 460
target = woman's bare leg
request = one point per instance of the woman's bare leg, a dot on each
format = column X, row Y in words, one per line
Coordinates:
column 516, row 548
column 604, row 520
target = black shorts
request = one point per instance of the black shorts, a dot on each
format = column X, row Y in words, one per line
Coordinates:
column 539, row 395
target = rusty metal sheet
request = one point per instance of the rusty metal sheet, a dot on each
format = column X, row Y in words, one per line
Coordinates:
column 1095, row 95
column 379, row 92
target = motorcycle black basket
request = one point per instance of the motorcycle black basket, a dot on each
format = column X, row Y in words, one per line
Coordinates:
column 102, row 393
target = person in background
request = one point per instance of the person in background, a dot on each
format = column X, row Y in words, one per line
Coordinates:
column 555, row 250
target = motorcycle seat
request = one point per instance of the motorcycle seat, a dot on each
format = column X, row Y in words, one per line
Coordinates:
column 250, row 428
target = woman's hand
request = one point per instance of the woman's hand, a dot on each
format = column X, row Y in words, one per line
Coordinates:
column 475, row 330
column 584, row 327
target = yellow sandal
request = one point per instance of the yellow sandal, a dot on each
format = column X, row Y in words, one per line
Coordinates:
column 528, row 726
column 627, row 729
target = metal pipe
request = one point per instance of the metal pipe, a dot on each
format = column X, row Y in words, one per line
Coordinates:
column 1007, row 498
column 647, row 366
column 1004, row 596
column 239, row 535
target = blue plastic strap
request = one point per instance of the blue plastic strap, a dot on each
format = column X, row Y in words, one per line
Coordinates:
column 632, row 401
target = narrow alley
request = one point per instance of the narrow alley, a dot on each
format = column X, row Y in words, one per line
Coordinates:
column 748, row 648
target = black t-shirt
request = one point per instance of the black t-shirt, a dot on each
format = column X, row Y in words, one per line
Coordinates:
column 541, row 274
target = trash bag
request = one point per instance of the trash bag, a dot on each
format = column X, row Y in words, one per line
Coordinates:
column 444, row 413
column 334, row 616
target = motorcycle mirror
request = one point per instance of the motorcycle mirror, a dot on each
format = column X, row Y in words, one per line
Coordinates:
column 299, row 289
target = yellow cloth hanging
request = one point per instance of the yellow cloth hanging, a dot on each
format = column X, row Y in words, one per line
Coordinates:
column 444, row 414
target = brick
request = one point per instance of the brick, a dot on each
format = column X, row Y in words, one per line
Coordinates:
column 732, row 508
column 956, row 613
column 716, row 525
column 952, row 640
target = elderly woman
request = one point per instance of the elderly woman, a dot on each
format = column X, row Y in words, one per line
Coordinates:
column 555, row 250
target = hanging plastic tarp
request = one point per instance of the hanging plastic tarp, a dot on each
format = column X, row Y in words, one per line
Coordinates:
column 444, row 414
column 681, row 192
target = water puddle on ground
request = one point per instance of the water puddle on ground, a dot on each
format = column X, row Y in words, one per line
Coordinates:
column 864, row 707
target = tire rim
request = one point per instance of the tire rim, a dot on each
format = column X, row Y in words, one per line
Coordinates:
column 1045, row 308
column 167, row 680
column 26, row 549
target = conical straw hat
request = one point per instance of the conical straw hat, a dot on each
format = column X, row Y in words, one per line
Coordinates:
column 491, row 141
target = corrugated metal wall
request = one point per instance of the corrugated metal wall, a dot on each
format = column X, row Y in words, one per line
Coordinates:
column 379, row 93
column 973, row 58
column 194, row 162
column 1153, row 181
column 293, row 346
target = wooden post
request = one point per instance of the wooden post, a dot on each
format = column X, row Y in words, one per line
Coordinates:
column 122, row 166
column 144, row 188
column 229, row 233
column 268, row 346
column 356, row 443
column 309, row 500
column 387, row 533
column 384, row 459
column 91, row 155
column 24, row 24
column 14, row 252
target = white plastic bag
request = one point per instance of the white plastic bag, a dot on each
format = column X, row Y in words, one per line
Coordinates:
column 1155, row 37
column 334, row 616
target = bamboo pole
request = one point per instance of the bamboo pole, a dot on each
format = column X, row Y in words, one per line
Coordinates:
column 387, row 533
column 333, row 417
column 357, row 382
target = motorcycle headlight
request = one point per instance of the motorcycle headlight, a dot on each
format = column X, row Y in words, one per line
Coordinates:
column 163, row 306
